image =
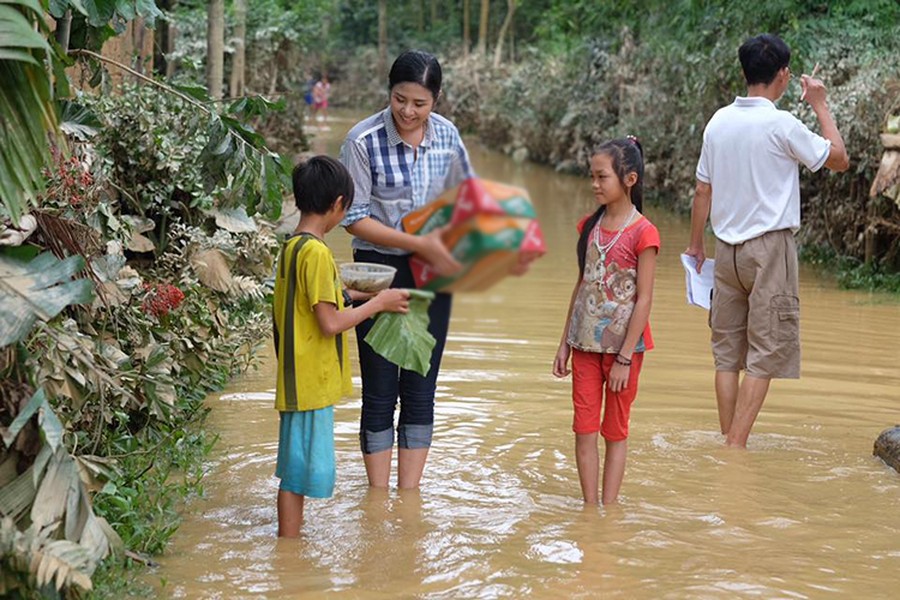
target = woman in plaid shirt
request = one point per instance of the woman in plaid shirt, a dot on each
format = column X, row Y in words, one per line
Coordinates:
column 401, row 159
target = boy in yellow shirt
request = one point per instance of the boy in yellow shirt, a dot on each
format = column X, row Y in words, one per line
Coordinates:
column 310, row 318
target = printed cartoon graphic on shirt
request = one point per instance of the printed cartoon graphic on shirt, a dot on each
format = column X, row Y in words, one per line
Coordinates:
column 621, row 285
column 606, row 297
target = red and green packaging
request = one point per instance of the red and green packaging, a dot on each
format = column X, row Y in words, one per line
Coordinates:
column 492, row 230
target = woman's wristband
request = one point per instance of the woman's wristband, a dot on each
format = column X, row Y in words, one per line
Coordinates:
column 621, row 360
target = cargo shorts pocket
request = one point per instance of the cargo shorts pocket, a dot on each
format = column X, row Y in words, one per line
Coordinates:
column 784, row 311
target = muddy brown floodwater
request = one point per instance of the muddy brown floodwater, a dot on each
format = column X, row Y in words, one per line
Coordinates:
column 807, row 512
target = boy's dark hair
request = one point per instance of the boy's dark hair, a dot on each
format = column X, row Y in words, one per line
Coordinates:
column 762, row 57
column 627, row 155
column 416, row 66
column 318, row 182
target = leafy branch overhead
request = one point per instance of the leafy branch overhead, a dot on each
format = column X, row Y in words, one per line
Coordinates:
column 235, row 160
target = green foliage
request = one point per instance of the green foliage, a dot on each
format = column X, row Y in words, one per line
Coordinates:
column 152, row 481
column 150, row 143
column 850, row 272
column 95, row 21
column 150, row 186
column 26, row 110
column 172, row 160
column 662, row 76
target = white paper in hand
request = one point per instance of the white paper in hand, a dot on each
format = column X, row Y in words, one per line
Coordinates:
column 699, row 285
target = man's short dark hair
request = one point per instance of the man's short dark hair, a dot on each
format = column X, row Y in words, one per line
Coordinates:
column 762, row 57
column 318, row 182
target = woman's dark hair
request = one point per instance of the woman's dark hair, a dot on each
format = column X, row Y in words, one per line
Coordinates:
column 416, row 66
column 318, row 182
column 627, row 156
column 762, row 57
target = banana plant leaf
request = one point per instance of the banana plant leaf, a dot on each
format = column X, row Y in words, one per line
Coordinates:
column 39, row 289
column 404, row 339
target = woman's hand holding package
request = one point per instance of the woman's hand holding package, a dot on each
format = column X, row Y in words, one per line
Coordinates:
column 432, row 249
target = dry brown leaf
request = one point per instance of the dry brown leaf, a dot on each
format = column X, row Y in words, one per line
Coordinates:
column 211, row 268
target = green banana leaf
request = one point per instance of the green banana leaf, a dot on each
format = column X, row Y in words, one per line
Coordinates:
column 27, row 113
column 403, row 339
column 39, row 289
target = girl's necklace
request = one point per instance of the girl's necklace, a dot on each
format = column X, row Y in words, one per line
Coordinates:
column 604, row 248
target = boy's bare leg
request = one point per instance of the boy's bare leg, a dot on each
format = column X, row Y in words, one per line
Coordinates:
column 587, row 457
column 378, row 468
column 410, row 466
column 290, row 514
column 750, row 399
column 726, row 397
column 614, row 470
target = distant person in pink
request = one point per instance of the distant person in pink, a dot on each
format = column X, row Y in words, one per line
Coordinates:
column 320, row 92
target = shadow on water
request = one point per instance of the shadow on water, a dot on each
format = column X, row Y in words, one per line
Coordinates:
column 806, row 513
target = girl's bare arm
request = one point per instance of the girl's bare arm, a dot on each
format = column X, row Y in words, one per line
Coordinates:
column 646, row 271
column 561, row 361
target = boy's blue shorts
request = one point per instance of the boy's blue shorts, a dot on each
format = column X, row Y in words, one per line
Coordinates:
column 306, row 452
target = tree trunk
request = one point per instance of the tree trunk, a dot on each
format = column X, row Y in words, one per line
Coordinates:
column 467, row 36
column 215, row 48
column 382, row 38
column 240, row 49
column 171, row 36
column 63, row 31
column 507, row 22
column 483, row 27
column 164, row 41
column 434, row 14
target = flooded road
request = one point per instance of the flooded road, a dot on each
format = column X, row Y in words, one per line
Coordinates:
column 807, row 512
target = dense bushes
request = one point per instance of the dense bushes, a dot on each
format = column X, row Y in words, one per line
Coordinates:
column 179, row 271
column 554, row 107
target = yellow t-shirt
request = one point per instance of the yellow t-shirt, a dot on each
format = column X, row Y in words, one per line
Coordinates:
column 313, row 370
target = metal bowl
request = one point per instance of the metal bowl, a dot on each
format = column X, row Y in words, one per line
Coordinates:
column 367, row 277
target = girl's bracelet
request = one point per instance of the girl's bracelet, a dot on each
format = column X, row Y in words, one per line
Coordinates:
column 621, row 360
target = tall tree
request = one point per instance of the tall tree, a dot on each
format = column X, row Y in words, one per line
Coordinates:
column 507, row 22
column 164, row 42
column 467, row 36
column 238, row 64
column 483, row 27
column 215, row 48
column 382, row 37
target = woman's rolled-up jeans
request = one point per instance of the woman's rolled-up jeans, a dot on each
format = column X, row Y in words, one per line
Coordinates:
column 383, row 382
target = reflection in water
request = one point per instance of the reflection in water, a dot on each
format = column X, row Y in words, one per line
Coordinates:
column 806, row 513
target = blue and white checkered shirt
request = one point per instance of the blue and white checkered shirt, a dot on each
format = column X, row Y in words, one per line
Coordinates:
column 390, row 180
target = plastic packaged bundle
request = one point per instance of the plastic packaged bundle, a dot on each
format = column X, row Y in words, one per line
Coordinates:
column 493, row 229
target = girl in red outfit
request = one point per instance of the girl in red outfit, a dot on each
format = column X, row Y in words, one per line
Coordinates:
column 607, row 327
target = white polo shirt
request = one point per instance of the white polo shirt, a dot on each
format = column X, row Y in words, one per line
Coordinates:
column 751, row 155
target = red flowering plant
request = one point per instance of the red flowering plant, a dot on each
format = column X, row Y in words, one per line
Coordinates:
column 160, row 299
column 70, row 183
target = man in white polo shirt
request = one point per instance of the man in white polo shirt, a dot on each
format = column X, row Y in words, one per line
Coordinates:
column 748, row 186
